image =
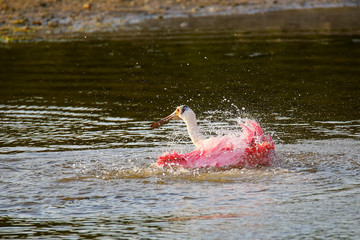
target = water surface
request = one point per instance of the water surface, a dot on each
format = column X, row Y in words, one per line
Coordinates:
column 77, row 154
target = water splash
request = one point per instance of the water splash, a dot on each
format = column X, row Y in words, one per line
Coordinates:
column 152, row 174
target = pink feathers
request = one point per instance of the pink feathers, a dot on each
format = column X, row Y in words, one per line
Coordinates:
column 252, row 148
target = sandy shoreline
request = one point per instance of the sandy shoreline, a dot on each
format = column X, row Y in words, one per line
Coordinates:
column 46, row 19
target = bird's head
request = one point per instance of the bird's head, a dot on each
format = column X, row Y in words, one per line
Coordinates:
column 181, row 112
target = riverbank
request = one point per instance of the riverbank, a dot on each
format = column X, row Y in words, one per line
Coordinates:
column 49, row 19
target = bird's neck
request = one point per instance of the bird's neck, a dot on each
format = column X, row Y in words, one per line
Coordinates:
column 193, row 129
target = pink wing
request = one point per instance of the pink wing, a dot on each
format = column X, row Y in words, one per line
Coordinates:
column 227, row 151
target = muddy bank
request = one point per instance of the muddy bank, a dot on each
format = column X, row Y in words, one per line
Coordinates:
column 48, row 19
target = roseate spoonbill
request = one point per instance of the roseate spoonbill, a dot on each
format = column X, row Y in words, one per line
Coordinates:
column 251, row 148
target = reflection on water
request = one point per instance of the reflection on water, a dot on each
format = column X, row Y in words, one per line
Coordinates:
column 53, row 128
column 77, row 153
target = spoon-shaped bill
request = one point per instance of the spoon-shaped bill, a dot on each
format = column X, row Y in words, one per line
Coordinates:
column 164, row 120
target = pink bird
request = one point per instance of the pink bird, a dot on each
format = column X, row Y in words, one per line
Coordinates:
column 250, row 148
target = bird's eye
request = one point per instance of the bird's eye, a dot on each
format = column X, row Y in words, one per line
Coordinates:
column 183, row 109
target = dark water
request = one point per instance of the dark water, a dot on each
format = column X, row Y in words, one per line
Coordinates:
column 77, row 154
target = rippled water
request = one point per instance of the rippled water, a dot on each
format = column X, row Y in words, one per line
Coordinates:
column 77, row 154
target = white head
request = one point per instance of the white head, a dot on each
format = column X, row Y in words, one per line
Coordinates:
column 181, row 112
column 185, row 113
